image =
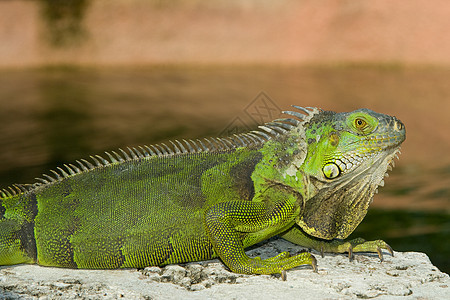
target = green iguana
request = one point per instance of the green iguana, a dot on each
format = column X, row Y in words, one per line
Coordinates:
column 308, row 178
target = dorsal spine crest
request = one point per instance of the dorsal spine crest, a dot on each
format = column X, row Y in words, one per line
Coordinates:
column 268, row 131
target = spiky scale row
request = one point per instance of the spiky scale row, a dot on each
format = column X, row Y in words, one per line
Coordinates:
column 254, row 138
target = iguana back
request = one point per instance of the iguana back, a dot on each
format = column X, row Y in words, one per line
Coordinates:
column 135, row 213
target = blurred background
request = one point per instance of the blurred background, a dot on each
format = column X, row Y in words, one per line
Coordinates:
column 81, row 77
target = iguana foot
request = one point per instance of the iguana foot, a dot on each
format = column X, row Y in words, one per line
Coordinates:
column 278, row 264
column 356, row 245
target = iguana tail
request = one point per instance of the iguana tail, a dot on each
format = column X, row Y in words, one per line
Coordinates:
column 17, row 244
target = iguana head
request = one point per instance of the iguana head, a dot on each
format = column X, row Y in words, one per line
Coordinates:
column 347, row 157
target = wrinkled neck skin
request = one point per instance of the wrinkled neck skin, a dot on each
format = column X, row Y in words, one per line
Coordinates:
column 334, row 210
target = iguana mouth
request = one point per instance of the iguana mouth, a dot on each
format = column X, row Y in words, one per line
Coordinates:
column 378, row 145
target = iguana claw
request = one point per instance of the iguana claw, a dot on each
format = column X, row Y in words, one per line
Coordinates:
column 359, row 245
column 350, row 253
column 314, row 264
column 389, row 249
column 283, row 275
column 353, row 246
column 380, row 254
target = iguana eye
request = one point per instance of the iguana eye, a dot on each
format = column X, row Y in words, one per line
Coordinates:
column 360, row 123
column 331, row 170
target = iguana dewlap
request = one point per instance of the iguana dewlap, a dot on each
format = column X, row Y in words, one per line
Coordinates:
column 309, row 178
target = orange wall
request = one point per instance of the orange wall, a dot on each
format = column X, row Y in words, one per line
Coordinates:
column 134, row 32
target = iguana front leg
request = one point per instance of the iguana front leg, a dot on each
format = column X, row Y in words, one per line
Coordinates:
column 225, row 222
column 297, row 236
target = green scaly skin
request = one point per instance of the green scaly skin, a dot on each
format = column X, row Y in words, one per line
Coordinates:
column 309, row 179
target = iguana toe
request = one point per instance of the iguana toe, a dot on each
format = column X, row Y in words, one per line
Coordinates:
column 314, row 264
column 350, row 253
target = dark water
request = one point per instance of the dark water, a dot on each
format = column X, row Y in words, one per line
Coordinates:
column 53, row 116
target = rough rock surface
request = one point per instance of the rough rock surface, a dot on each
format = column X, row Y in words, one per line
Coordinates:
column 408, row 275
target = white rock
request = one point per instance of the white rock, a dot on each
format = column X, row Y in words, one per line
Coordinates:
column 408, row 275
